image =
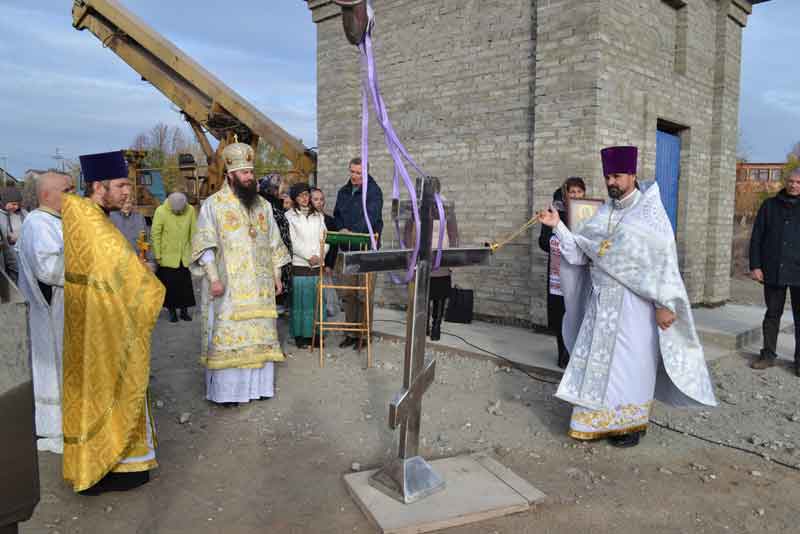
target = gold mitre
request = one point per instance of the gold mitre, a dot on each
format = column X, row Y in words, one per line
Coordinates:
column 238, row 156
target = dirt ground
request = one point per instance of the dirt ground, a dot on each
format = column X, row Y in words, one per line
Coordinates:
column 276, row 466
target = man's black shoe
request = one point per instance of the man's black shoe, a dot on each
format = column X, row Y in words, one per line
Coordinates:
column 764, row 361
column 118, row 482
column 185, row 315
column 626, row 440
column 173, row 316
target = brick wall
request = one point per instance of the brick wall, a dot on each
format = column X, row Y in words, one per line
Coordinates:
column 457, row 77
column 505, row 99
column 675, row 65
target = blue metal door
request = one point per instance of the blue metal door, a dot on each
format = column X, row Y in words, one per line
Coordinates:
column 668, row 171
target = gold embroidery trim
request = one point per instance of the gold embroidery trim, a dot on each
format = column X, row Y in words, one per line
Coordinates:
column 242, row 359
column 49, row 211
column 135, row 467
column 626, row 414
column 243, row 314
column 589, row 436
column 90, row 281
column 47, row 401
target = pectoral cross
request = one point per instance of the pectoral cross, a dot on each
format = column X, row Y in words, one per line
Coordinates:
column 604, row 246
column 409, row 477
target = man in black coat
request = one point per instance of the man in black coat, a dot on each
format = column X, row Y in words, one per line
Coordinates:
column 775, row 262
column 348, row 216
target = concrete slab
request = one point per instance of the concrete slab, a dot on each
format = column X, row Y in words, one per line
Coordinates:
column 535, row 352
column 732, row 326
column 478, row 488
column 723, row 331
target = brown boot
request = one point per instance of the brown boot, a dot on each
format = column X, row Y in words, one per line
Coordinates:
column 764, row 361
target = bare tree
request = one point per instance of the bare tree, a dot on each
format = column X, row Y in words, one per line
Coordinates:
column 792, row 160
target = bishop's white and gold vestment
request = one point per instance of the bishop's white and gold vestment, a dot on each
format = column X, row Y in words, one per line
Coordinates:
column 240, row 342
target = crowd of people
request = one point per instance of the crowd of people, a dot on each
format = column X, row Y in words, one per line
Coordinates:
column 97, row 278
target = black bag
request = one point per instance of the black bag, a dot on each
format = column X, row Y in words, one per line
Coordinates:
column 459, row 307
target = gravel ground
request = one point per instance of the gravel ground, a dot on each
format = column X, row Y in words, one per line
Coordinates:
column 276, row 466
column 758, row 410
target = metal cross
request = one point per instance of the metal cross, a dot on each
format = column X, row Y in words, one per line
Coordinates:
column 409, row 477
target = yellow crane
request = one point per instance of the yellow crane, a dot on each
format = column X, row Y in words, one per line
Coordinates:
column 205, row 101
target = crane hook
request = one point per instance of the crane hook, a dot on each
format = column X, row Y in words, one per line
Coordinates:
column 355, row 18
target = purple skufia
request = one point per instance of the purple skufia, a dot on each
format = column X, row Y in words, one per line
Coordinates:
column 619, row 160
column 104, row 166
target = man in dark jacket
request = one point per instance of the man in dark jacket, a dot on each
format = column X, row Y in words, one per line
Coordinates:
column 775, row 262
column 349, row 217
column 548, row 242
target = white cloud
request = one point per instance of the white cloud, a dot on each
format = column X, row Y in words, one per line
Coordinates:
column 785, row 100
column 60, row 87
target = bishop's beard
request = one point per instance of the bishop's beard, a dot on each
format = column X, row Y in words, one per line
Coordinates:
column 246, row 193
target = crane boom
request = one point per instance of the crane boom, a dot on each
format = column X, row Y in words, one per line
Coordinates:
column 206, row 102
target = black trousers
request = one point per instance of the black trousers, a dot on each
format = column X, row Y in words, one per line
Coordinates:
column 775, row 298
column 555, row 318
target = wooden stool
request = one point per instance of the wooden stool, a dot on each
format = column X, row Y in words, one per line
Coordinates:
column 366, row 280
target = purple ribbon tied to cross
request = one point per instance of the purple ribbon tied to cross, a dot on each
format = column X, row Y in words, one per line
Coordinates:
column 397, row 151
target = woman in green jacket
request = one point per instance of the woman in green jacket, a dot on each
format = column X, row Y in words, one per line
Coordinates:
column 174, row 225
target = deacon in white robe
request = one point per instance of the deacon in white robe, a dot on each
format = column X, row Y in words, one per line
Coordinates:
column 40, row 254
column 628, row 324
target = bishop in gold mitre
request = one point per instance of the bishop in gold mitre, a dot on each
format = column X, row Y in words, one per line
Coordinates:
column 238, row 252
column 111, row 303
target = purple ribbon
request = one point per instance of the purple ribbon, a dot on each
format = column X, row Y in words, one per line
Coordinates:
column 398, row 153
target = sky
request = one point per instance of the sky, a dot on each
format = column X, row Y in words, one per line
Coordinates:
column 61, row 90
column 769, row 110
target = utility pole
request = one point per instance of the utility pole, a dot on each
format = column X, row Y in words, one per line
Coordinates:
column 59, row 157
column 4, row 159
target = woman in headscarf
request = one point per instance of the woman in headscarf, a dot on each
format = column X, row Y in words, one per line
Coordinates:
column 307, row 229
column 574, row 188
column 174, row 225
column 270, row 189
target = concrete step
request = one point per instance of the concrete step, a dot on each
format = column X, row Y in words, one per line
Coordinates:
column 732, row 326
column 523, row 347
column 722, row 331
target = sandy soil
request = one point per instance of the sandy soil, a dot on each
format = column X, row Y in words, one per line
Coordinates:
column 276, row 466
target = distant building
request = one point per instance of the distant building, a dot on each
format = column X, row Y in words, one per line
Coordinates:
column 759, row 172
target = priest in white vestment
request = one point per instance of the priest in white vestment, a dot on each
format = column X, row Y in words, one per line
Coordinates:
column 628, row 325
column 238, row 251
column 40, row 249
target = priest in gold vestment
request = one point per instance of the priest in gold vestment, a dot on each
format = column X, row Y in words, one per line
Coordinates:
column 111, row 303
column 238, row 251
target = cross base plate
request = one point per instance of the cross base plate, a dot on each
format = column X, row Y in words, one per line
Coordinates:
column 478, row 488
column 407, row 480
